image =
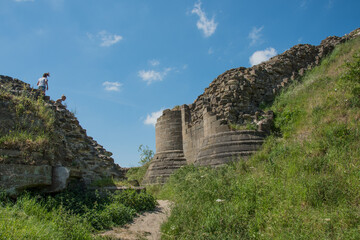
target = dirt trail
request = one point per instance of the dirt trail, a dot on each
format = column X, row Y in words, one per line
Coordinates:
column 145, row 226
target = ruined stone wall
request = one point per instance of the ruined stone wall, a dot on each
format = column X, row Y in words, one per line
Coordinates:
column 71, row 153
column 192, row 135
column 169, row 147
column 235, row 98
column 168, row 131
column 238, row 92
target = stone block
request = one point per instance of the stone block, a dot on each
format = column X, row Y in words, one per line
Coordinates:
column 10, row 153
column 16, row 177
column 60, row 178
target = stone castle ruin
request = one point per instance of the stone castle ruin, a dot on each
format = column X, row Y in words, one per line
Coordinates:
column 202, row 133
column 73, row 154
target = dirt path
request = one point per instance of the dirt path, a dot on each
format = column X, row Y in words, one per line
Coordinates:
column 145, row 226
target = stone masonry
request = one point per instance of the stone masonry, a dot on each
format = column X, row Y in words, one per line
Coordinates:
column 71, row 154
column 201, row 132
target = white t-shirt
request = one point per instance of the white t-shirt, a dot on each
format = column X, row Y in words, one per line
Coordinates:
column 42, row 82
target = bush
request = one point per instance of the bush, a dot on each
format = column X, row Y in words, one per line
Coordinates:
column 102, row 209
column 30, row 219
column 111, row 215
column 138, row 201
column 73, row 214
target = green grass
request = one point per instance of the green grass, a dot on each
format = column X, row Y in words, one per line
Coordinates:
column 247, row 126
column 29, row 219
column 73, row 214
column 137, row 173
column 33, row 128
column 134, row 175
column 303, row 184
column 110, row 182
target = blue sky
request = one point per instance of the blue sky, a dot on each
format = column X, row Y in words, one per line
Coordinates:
column 120, row 62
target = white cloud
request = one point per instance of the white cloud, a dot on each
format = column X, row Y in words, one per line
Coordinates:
column 106, row 39
column 152, row 118
column 261, row 56
column 112, row 86
column 206, row 25
column 151, row 76
column 255, row 35
column 154, row 62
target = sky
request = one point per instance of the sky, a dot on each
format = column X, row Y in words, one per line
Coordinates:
column 121, row 62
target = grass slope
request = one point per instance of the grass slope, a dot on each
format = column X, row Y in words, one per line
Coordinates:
column 73, row 214
column 304, row 184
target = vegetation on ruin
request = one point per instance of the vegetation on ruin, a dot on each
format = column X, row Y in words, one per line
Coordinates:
column 73, row 214
column 110, row 181
column 303, row 184
column 34, row 124
column 134, row 175
column 138, row 173
column 246, row 126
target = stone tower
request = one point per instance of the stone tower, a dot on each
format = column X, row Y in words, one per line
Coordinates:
column 202, row 133
column 169, row 148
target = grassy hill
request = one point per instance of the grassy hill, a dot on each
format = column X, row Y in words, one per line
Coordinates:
column 304, row 184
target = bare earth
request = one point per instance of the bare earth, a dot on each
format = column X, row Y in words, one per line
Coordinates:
column 145, row 226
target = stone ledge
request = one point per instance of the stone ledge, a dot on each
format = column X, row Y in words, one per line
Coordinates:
column 15, row 177
column 121, row 188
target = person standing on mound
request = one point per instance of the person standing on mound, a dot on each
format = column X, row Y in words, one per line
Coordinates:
column 43, row 83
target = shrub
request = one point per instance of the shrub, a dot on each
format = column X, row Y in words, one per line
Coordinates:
column 75, row 213
column 139, row 201
column 111, row 215
column 30, row 219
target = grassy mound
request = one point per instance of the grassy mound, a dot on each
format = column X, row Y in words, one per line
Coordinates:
column 33, row 128
column 304, row 184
